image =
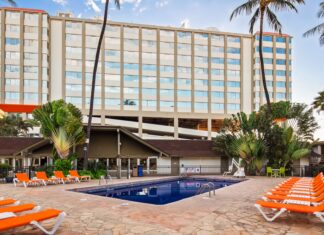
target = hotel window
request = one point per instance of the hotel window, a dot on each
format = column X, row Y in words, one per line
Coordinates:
column 233, row 84
column 130, row 30
column 73, row 75
column 217, row 106
column 12, row 68
column 233, row 95
column 12, row 82
column 168, row 57
column 167, row 80
column 149, row 79
column 167, row 92
column 12, row 15
column 217, row 49
column 131, row 90
column 217, row 38
column 112, row 28
column 280, row 39
column 217, row 94
column 112, row 65
column 12, row 28
column 72, row 37
column 93, row 39
column 281, row 62
column 88, row 88
column 233, row 39
column 44, row 84
column 112, row 102
column 289, row 51
column 148, row 43
column 169, row 45
column 12, row 41
column 167, row 104
column 73, row 100
column 281, row 84
column 148, row 67
column 265, row 60
column 31, row 29
column 201, row 36
column 201, row 48
column 257, row 94
column 267, row 72
column 184, row 46
column 149, row 91
column 184, row 35
column 112, row 89
column 184, row 105
column 182, row 69
column 30, row 83
column 266, row 38
column 30, row 96
column 44, row 98
column 166, row 33
column 217, row 83
column 73, row 25
column 201, row 71
column 201, row 82
column 30, row 43
column 269, row 83
column 149, row 32
column 73, row 87
column 184, row 81
column 130, row 66
column 233, row 106
column 12, row 96
column 131, row 102
column 131, row 78
column 73, row 62
column 112, row 53
column 76, row 50
column 216, row 60
column 281, row 95
column 148, row 55
column 233, row 50
column 131, row 55
column 233, row 73
column 31, row 17
column 166, row 68
column 30, row 56
column 131, row 42
column 289, row 84
column 149, row 103
column 89, row 76
column 281, row 50
column 201, row 59
column 202, row 94
column 184, row 58
column 265, row 49
column 12, row 55
column 257, row 83
column 184, row 93
column 44, row 31
column 281, row 73
column 234, row 61
column 218, row 72
column 112, row 77
column 90, row 51
column 201, row 106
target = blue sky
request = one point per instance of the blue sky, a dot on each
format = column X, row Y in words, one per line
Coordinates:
column 308, row 56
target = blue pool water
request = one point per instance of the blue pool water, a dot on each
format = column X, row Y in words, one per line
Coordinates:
column 158, row 192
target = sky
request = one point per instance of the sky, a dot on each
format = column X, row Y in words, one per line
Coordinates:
column 308, row 56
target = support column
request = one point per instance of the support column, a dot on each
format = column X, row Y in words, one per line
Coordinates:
column 128, row 169
column 119, row 168
column 176, row 128
column 2, row 161
column 209, row 126
column 148, row 166
column 103, row 121
column 14, row 162
column 140, row 126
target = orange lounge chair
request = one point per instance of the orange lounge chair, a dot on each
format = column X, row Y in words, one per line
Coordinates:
column 24, row 179
column 75, row 174
column 19, row 208
column 8, row 201
column 294, row 199
column 59, row 175
column 34, row 219
column 316, row 210
column 41, row 175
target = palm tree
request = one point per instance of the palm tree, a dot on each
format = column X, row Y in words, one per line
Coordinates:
column 319, row 102
column 14, row 125
column 86, row 145
column 11, row 2
column 263, row 8
column 319, row 29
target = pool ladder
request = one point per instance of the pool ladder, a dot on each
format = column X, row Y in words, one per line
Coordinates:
column 209, row 186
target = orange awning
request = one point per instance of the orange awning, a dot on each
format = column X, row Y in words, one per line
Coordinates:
column 18, row 108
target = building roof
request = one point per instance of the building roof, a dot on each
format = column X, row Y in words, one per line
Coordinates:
column 186, row 148
column 23, row 9
column 11, row 146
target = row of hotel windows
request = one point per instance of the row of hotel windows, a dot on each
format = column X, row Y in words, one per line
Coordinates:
column 27, row 69
column 27, row 56
column 153, row 103
column 269, row 38
column 279, row 95
column 27, row 82
column 27, row 16
column 280, row 84
column 271, row 72
column 27, row 29
column 270, row 61
column 279, row 50
column 27, row 96
column 27, row 42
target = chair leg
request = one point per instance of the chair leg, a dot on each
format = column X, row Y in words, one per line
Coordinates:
column 266, row 217
column 58, row 222
column 320, row 215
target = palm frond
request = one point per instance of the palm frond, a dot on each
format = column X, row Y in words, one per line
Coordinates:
column 317, row 29
column 254, row 19
column 273, row 20
column 320, row 12
column 281, row 5
column 246, row 8
column 117, row 4
column 12, row 3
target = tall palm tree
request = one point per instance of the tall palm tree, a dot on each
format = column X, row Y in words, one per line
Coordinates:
column 103, row 28
column 264, row 10
column 319, row 29
column 11, row 2
column 319, row 102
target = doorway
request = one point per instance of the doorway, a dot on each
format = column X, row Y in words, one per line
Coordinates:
column 175, row 166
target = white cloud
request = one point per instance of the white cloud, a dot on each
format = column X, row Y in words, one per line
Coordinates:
column 185, row 23
column 161, row 3
column 141, row 9
column 93, row 5
column 61, row 2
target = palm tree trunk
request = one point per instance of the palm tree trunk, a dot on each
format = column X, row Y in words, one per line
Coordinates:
column 86, row 145
column 262, row 62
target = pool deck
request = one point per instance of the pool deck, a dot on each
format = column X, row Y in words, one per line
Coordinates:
column 230, row 211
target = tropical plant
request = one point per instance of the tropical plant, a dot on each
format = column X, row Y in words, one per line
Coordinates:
column 319, row 29
column 103, row 29
column 319, row 101
column 65, row 164
column 264, row 8
column 129, row 102
column 14, row 125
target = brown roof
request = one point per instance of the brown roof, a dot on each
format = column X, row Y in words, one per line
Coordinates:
column 186, row 148
column 10, row 146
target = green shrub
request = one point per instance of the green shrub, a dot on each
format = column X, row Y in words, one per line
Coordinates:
column 4, row 168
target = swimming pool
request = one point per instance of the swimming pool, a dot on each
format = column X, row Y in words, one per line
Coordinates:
column 159, row 192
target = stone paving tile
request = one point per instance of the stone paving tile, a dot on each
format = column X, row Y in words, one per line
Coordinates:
column 230, row 211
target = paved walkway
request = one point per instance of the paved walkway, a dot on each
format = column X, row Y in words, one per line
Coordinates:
column 231, row 211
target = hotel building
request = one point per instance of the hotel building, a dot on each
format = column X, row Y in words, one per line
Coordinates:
column 156, row 81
